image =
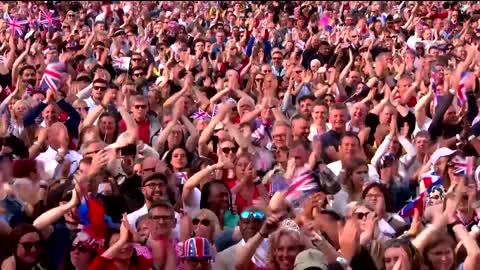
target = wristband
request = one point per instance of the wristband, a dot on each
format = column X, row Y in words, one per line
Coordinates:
column 262, row 235
column 458, row 137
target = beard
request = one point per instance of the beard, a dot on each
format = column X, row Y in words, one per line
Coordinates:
column 32, row 82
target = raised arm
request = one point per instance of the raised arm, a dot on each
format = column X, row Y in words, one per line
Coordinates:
column 51, row 216
column 200, row 178
column 19, row 60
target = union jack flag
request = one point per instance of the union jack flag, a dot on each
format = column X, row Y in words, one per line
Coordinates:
column 464, row 166
column 462, row 89
column 52, row 76
column 301, row 186
column 427, row 184
column 409, row 209
column 181, row 177
column 121, row 63
column 260, row 132
column 16, row 26
column 30, row 89
column 197, row 248
column 201, row 115
column 49, row 20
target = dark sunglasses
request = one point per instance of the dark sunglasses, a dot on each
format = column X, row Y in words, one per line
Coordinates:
column 136, row 59
column 204, row 222
column 276, row 58
column 361, row 215
column 29, row 245
column 298, row 71
column 82, row 108
column 140, row 107
column 80, row 248
column 138, row 74
column 227, row 150
column 255, row 214
column 103, row 88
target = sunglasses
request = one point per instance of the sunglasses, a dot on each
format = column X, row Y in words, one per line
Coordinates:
column 354, row 36
column 255, row 214
column 298, row 71
column 227, row 150
column 103, row 88
column 204, row 222
column 80, row 248
column 138, row 74
column 259, row 79
column 361, row 215
column 136, row 59
column 29, row 245
column 276, row 58
column 138, row 107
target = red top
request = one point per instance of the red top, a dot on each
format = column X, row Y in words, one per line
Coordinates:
column 101, row 263
column 241, row 203
column 143, row 130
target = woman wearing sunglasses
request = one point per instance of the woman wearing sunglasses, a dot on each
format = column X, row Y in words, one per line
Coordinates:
column 81, row 255
column 205, row 224
column 27, row 249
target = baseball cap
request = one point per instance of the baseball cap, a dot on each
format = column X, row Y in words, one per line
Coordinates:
column 197, row 248
column 310, row 258
column 153, row 177
column 442, row 152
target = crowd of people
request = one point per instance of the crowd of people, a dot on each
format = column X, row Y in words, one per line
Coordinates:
column 257, row 135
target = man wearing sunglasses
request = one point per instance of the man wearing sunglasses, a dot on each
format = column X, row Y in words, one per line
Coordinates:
column 251, row 220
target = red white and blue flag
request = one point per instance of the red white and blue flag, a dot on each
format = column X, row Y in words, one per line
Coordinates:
column 462, row 89
column 427, row 184
column 464, row 166
column 300, row 188
column 197, row 248
column 409, row 209
column 181, row 177
column 16, row 26
column 201, row 115
column 121, row 63
column 49, row 20
column 52, row 76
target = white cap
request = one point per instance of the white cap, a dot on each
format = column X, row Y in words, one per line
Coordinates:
column 442, row 152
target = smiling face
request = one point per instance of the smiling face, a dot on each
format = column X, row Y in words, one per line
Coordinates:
column 286, row 251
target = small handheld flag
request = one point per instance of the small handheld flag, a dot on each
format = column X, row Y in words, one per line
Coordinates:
column 52, row 76
column 121, row 63
column 16, row 26
column 301, row 186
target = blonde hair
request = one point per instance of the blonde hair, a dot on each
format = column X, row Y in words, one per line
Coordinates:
column 210, row 216
column 18, row 103
column 274, row 241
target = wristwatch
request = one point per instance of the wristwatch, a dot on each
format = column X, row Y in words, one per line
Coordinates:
column 342, row 261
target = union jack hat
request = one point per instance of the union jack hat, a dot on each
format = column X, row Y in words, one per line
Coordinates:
column 197, row 248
